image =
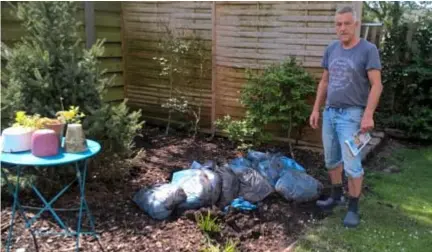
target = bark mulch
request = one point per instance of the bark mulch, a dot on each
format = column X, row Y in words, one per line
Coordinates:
column 124, row 227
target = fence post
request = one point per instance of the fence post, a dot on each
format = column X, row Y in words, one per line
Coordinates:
column 214, row 83
column 89, row 23
column 358, row 7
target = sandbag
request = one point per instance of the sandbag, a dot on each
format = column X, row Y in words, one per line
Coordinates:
column 275, row 167
column 209, row 164
column 288, row 163
column 230, row 185
column 256, row 156
column 298, row 186
column 197, row 184
column 239, row 165
column 208, row 168
column 216, row 185
column 160, row 200
column 253, row 186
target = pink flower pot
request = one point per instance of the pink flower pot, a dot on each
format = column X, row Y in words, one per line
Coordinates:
column 45, row 143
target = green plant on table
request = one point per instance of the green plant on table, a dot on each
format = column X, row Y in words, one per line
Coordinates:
column 27, row 121
column 73, row 115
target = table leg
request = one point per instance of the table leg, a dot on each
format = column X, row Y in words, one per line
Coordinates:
column 14, row 206
column 81, row 171
column 19, row 208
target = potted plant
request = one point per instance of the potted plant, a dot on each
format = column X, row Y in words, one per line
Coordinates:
column 55, row 124
column 17, row 138
column 75, row 140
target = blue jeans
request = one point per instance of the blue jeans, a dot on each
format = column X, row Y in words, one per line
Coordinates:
column 338, row 125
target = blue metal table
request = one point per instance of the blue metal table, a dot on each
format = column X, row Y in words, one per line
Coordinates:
column 16, row 161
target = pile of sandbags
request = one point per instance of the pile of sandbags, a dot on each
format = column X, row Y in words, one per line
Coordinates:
column 250, row 179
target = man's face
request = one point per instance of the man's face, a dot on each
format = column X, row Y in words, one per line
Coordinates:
column 345, row 26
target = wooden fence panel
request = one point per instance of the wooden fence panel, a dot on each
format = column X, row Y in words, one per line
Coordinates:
column 256, row 34
column 239, row 36
column 144, row 27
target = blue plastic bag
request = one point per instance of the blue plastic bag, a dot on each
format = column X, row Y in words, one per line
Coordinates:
column 289, row 163
column 276, row 166
column 298, row 186
column 239, row 165
column 207, row 165
column 253, row 186
column 256, row 156
column 178, row 175
column 242, row 204
column 160, row 200
column 201, row 186
column 230, row 185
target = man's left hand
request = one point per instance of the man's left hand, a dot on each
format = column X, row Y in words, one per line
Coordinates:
column 367, row 123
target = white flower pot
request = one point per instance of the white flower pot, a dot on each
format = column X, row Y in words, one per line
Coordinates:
column 16, row 139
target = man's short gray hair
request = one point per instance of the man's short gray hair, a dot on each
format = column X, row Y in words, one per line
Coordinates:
column 347, row 9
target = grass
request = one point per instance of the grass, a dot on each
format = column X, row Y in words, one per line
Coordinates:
column 396, row 216
column 230, row 246
column 207, row 224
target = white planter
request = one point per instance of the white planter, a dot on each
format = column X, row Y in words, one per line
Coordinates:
column 16, row 139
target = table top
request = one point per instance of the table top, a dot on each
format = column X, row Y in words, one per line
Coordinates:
column 28, row 159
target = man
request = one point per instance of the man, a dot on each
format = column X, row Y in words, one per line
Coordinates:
column 351, row 87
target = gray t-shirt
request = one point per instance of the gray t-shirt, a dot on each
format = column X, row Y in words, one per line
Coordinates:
column 348, row 84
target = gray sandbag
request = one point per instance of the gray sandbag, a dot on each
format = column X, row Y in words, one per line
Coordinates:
column 298, row 186
column 216, row 184
column 215, row 180
column 239, row 165
column 230, row 185
column 197, row 186
column 160, row 200
column 253, row 186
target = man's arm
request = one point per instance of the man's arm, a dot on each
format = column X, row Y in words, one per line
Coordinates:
column 367, row 122
column 375, row 92
column 321, row 91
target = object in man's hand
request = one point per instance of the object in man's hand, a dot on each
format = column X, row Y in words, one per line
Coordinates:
column 357, row 142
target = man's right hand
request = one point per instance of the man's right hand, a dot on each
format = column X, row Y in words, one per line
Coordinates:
column 314, row 119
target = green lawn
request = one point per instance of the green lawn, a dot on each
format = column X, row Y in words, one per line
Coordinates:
column 396, row 216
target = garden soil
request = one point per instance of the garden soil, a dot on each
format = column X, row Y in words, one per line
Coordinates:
column 122, row 226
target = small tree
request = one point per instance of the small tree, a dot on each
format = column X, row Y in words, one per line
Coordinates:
column 49, row 69
column 172, row 63
column 279, row 95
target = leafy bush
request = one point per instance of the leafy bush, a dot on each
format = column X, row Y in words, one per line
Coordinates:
column 238, row 131
column 49, row 70
column 407, row 77
column 278, row 96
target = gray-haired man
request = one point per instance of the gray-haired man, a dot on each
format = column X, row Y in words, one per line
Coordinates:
column 351, row 87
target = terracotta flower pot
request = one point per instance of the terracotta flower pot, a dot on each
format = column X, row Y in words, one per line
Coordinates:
column 58, row 129
column 75, row 140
